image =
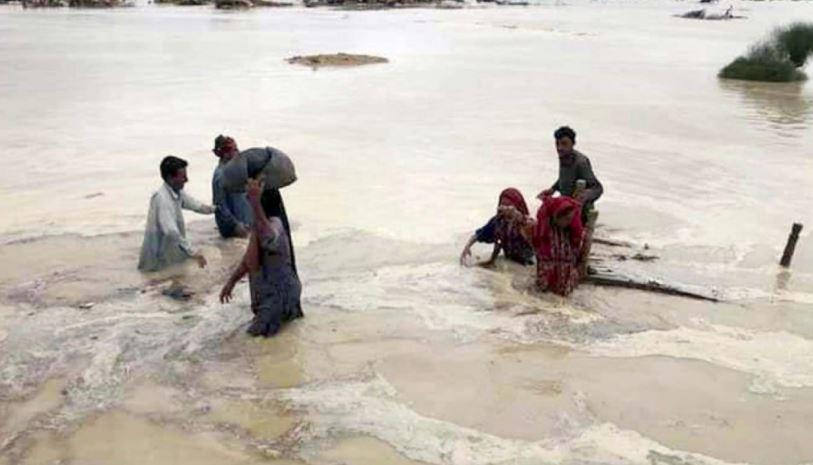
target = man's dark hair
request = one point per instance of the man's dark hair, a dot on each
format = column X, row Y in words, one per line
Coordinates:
column 565, row 131
column 170, row 166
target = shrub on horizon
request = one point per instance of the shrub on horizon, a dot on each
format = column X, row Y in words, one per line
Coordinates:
column 776, row 60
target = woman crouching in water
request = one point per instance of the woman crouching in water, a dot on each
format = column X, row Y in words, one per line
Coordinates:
column 504, row 230
column 558, row 237
column 270, row 264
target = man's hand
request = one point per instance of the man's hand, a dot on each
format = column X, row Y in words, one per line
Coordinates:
column 545, row 194
column 201, row 260
column 254, row 190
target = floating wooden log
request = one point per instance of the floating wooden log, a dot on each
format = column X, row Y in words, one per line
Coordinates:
column 608, row 280
column 611, row 243
column 790, row 247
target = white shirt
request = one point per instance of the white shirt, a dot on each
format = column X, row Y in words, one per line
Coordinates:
column 165, row 240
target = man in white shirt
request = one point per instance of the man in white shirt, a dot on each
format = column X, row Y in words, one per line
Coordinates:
column 165, row 240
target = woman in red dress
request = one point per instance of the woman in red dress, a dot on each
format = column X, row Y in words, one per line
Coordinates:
column 558, row 237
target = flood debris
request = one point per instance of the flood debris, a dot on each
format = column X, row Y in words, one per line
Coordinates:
column 184, row 2
column 790, row 246
column 385, row 4
column 98, row 3
column 703, row 14
column 43, row 3
column 178, row 291
column 602, row 278
column 233, row 4
column 512, row 2
column 271, row 3
column 336, row 59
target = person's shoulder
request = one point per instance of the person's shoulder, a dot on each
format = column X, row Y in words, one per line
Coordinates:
column 160, row 193
column 582, row 159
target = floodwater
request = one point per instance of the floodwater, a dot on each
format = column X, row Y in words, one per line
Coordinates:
column 404, row 357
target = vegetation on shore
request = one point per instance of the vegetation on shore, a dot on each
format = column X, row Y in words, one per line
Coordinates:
column 779, row 58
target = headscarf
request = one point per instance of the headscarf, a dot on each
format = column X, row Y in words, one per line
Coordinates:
column 273, row 205
column 550, row 209
column 514, row 198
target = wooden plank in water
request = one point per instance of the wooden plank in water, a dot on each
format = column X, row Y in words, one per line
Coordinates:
column 608, row 280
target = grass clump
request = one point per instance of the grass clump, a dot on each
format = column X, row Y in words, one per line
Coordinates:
column 777, row 59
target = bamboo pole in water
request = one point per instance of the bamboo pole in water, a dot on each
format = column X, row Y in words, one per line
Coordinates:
column 790, row 247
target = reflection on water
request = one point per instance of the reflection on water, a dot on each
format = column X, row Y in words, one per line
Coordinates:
column 786, row 106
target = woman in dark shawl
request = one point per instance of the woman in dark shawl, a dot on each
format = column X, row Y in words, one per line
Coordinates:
column 270, row 264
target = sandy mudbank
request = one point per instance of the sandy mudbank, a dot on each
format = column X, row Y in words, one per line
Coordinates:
column 336, row 59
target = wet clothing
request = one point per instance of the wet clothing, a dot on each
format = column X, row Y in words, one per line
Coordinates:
column 507, row 232
column 232, row 208
column 273, row 205
column 558, row 250
column 165, row 240
column 572, row 168
column 275, row 286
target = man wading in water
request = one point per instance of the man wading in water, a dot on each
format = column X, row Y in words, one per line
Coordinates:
column 574, row 166
column 165, row 240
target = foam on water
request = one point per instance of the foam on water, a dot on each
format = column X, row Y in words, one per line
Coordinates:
column 112, row 343
column 774, row 358
column 468, row 302
column 372, row 408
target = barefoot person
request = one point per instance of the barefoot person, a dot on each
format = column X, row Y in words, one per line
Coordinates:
column 573, row 166
column 274, row 285
column 233, row 214
column 165, row 241
column 504, row 231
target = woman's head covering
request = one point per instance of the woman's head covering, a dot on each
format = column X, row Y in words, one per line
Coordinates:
column 273, row 205
column 514, row 198
column 273, row 166
column 550, row 209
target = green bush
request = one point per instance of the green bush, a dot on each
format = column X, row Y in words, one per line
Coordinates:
column 797, row 40
column 776, row 60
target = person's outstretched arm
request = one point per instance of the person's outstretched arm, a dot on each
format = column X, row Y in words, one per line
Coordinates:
column 236, row 276
column 190, row 203
column 467, row 249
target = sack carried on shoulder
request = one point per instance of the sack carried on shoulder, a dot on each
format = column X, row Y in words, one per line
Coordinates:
column 269, row 164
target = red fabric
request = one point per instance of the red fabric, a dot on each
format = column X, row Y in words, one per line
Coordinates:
column 513, row 197
column 552, row 207
column 558, row 250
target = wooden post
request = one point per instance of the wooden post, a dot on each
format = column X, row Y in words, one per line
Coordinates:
column 791, row 245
